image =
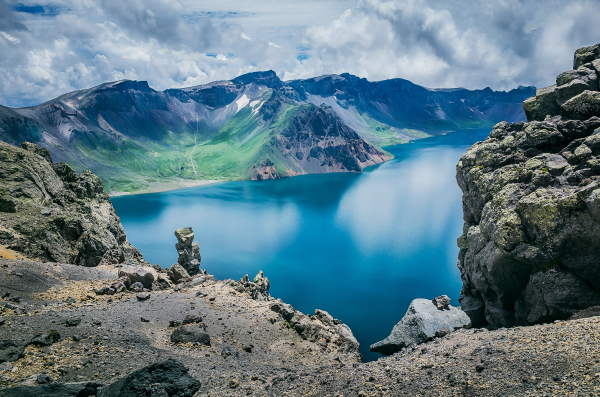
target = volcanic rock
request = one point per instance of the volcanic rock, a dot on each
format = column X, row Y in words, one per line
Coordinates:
column 188, row 250
column 529, row 251
column 79, row 224
column 190, row 333
column 167, row 378
column 421, row 322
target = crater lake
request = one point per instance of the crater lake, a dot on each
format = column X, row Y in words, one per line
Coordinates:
column 360, row 246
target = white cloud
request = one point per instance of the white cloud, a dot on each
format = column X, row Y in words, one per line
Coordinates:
column 76, row 44
column 500, row 43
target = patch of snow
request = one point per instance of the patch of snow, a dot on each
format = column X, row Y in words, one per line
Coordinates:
column 242, row 102
column 257, row 108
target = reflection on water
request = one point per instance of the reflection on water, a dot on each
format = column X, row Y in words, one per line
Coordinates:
column 359, row 246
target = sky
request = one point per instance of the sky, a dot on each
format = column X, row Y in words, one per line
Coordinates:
column 51, row 47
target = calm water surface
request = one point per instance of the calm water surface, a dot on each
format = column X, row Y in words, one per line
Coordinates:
column 360, row 246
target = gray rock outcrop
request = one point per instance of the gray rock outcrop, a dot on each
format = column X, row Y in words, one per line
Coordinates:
column 50, row 213
column 530, row 252
column 257, row 288
column 321, row 328
column 137, row 274
column 188, row 250
column 422, row 322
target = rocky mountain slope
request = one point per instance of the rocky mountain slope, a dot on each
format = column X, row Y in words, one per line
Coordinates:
column 252, row 127
column 48, row 212
column 530, row 252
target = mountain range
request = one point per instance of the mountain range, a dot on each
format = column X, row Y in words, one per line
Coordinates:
column 255, row 126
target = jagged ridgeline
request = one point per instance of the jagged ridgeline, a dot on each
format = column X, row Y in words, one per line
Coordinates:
column 252, row 127
column 530, row 251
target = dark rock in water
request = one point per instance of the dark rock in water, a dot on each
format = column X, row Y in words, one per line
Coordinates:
column 258, row 288
column 190, row 333
column 421, row 323
column 529, row 251
column 46, row 338
column 188, row 250
column 137, row 274
column 168, row 378
column 84, row 389
column 77, row 223
column 10, row 351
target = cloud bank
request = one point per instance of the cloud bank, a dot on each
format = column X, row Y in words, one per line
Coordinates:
column 48, row 47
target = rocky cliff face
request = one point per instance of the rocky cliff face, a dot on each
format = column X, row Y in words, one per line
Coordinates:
column 50, row 213
column 530, row 251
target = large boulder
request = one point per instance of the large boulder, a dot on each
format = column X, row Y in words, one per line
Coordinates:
column 529, row 251
column 188, row 250
column 423, row 321
column 137, row 274
column 167, row 378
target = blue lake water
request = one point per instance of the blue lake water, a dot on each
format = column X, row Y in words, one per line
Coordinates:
column 360, row 246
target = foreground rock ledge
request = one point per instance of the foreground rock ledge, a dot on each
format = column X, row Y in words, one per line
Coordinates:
column 422, row 322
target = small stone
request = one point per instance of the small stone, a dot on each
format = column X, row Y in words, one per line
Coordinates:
column 211, row 298
column 70, row 299
column 73, row 321
column 233, row 383
column 46, row 338
column 76, row 338
column 192, row 319
column 19, row 274
column 2, row 320
column 190, row 333
column 143, row 297
column 111, row 291
column 144, row 320
column 174, row 323
column 136, row 285
column 479, row 368
column 441, row 302
column 42, row 379
column 228, row 350
column 46, row 211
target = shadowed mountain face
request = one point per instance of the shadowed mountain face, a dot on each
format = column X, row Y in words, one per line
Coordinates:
column 252, row 127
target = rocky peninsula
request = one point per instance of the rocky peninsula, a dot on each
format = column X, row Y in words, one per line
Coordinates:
column 82, row 314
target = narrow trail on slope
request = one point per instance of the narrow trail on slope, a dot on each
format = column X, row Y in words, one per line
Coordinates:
column 194, row 148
